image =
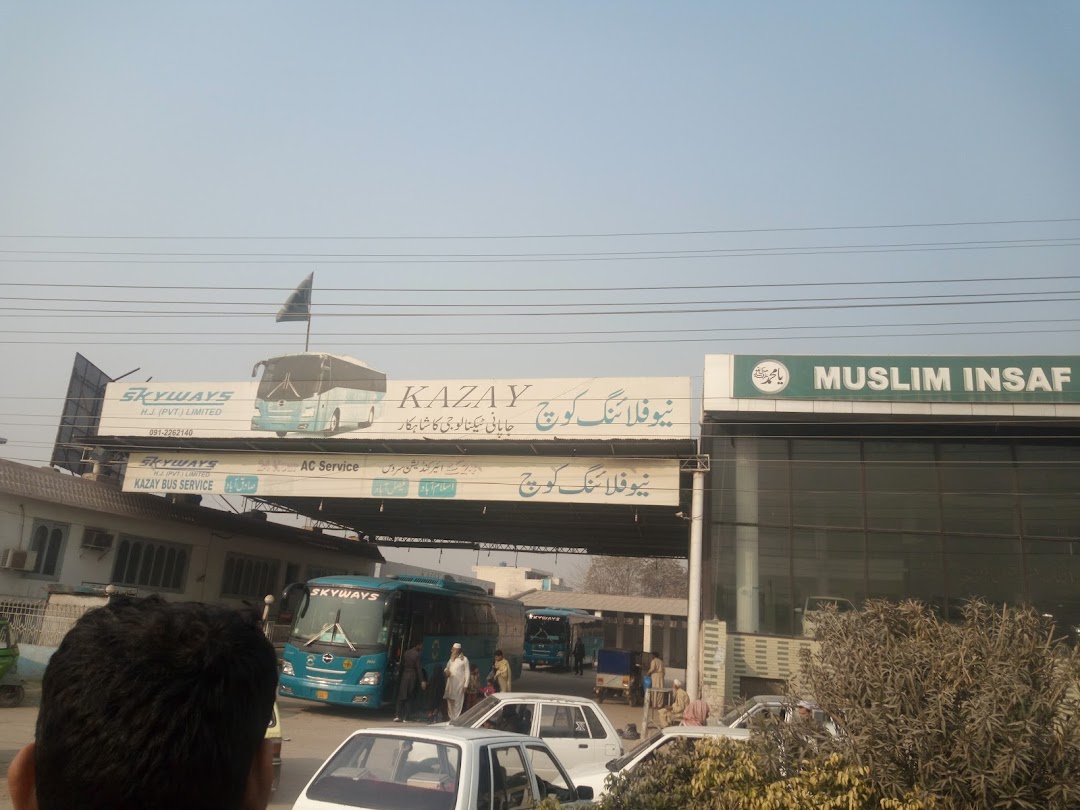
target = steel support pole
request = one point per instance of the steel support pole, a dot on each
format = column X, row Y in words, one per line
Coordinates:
column 694, row 573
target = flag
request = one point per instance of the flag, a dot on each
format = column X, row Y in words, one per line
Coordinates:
column 298, row 304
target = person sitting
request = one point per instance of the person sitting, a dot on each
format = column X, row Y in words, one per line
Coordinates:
column 151, row 704
column 696, row 714
column 680, row 700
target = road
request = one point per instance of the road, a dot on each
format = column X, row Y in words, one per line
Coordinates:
column 312, row 731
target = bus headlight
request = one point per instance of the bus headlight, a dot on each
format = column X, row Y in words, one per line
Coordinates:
column 371, row 679
column 287, row 668
column 308, row 412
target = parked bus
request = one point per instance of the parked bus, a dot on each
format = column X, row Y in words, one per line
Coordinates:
column 550, row 635
column 316, row 393
column 348, row 633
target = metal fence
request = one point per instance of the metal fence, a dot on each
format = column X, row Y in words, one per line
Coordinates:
column 34, row 622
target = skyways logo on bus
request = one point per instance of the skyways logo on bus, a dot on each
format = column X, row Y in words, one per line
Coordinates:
column 159, row 463
column 147, row 396
column 347, row 593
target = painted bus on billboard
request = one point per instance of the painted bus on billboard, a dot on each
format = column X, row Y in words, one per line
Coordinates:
column 316, row 393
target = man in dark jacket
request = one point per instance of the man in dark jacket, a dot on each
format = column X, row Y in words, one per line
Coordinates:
column 412, row 677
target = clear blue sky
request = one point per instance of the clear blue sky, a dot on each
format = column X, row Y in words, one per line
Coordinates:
column 260, row 119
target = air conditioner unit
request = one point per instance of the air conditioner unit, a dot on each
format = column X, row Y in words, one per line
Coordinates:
column 18, row 559
column 96, row 539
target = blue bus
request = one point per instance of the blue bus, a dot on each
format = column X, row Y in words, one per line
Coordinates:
column 550, row 635
column 316, row 393
column 348, row 634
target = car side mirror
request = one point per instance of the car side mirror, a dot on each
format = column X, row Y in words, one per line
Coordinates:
column 585, row 793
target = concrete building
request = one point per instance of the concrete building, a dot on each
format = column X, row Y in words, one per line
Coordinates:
column 511, row 580
column 60, row 532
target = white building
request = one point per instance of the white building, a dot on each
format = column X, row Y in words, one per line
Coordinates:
column 61, row 533
column 511, row 580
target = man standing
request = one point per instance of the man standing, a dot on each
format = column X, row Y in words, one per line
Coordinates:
column 502, row 672
column 579, row 657
column 680, row 700
column 152, row 704
column 412, row 677
column 656, row 673
column 457, row 678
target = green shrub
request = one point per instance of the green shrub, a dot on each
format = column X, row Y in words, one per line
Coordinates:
column 980, row 714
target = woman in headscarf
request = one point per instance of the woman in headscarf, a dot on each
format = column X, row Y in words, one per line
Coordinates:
column 697, row 712
column 457, row 679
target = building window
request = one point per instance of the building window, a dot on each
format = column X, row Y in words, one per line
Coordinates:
column 249, row 577
column 47, row 540
column 316, row 571
column 151, row 564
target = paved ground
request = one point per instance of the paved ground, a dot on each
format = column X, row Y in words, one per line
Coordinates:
column 312, row 731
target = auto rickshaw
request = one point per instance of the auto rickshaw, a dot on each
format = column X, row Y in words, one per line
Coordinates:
column 12, row 691
column 618, row 674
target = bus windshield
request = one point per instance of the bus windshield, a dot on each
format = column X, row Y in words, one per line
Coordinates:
column 539, row 628
column 358, row 622
column 290, row 378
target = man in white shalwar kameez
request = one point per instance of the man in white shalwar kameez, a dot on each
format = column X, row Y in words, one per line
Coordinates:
column 457, row 678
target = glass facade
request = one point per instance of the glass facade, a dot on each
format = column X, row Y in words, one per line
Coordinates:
column 939, row 519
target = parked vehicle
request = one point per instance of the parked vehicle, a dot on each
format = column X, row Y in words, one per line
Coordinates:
column 596, row 777
column 439, row 768
column 273, row 733
column 742, row 716
column 551, row 633
column 12, row 691
column 619, row 675
column 575, row 728
column 811, row 611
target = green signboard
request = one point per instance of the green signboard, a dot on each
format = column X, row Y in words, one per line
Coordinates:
column 925, row 378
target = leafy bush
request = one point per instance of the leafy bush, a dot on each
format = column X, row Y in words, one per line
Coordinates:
column 722, row 774
column 980, row 714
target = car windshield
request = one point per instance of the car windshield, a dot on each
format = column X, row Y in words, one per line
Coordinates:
column 390, row 773
column 473, row 715
column 619, row 763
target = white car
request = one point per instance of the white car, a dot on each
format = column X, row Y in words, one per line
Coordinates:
column 439, row 768
column 575, row 728
column 596, row 777
column 743, row 716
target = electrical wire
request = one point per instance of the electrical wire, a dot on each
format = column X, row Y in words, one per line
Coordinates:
column 585, row 235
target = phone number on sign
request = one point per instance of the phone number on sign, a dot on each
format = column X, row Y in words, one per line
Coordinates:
column 172, row 432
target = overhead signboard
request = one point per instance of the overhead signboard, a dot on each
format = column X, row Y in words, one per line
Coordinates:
column 931, row 378
column 629, row 481
column 331, row 396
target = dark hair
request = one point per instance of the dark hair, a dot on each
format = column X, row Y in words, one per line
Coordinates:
column 498, row 652
column 151, row 704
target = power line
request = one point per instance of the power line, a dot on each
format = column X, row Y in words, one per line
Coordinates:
column 620, row 288
column 665, row 254
column 545, row 333
column 746, row 253
column 918, row 303
column 628, row 341
column 545, row 305
column 598, row 235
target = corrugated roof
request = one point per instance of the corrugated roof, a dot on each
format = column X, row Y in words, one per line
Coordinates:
column 52, row 486
column 608, row 603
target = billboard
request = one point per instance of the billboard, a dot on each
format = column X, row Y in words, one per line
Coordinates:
column 931, row 378
column 335, row 396
column 630, row 481
column 78, row 421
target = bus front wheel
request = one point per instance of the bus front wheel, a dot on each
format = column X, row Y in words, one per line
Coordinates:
column 281, row 434
column 335, row 422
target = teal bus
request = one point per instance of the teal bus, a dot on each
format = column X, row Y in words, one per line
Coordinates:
column 316, row 393
column 348, row 633
column 551, row 633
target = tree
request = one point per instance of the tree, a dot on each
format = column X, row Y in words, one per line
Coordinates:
column 633, row 576
column 983, row 713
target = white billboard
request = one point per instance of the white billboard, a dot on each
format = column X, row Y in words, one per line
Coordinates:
column 637, row 482
column 294, row 401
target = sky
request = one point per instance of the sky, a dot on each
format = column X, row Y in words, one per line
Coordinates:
column 534, row 163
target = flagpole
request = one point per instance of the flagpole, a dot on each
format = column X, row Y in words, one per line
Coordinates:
column 307, row 335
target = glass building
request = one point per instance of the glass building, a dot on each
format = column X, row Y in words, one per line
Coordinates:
column 822, row 489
